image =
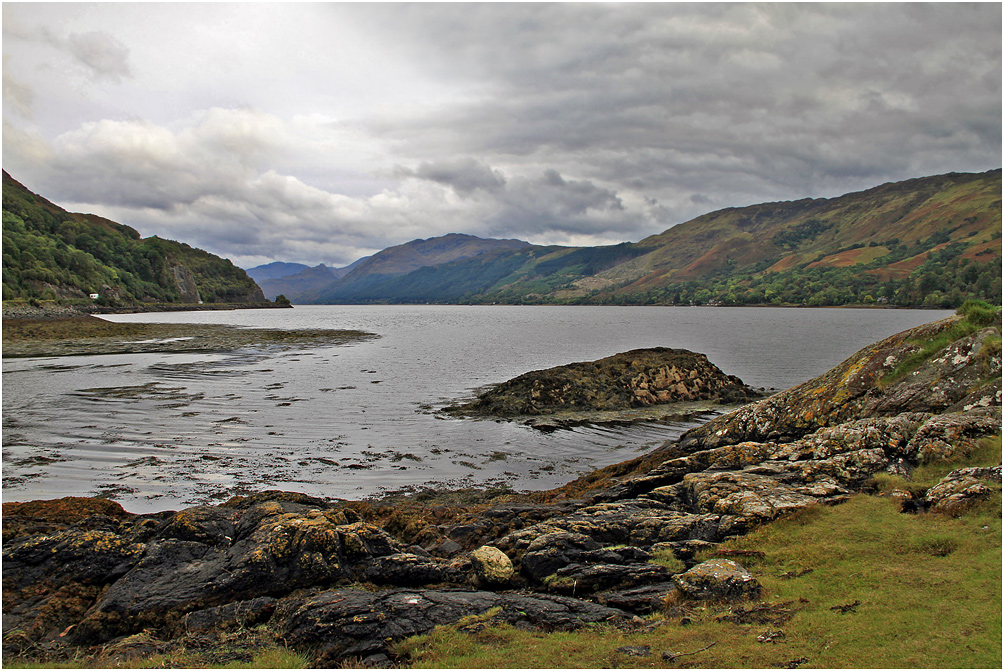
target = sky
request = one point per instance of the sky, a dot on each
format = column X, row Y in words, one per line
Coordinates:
column 324, row 132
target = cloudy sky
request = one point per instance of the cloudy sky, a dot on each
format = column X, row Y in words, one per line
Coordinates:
column 324, row 132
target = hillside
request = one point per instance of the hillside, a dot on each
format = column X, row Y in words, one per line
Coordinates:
column 51, row 254
column 932, row 241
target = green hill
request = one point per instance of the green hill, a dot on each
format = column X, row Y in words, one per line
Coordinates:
column 52, row 254
column 933, row 241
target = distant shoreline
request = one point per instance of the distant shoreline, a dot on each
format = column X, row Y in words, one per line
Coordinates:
column 56, row 311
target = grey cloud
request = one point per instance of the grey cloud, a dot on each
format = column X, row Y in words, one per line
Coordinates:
column 829, row 90
column 98, row 51
column 463, row 175
column 101, row 52
column 19, row 94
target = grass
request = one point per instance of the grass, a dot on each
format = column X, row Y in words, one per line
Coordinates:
column 271, row 658
column 860, row 585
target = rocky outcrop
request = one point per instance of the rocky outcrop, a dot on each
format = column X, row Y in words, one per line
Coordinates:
column 964, row 374
column 639, row 378
column 184, row 281
column 960, row 489
column 346, row 579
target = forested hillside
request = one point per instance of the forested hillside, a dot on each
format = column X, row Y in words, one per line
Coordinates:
column 933, row 241
column 52, row 254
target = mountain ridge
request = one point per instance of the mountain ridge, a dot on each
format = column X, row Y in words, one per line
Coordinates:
column 929, row 241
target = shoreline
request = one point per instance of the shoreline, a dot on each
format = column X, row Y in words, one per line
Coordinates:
column 13, row 310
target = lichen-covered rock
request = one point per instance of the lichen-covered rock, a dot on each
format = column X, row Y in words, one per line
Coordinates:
column 718, row 579
column 580, row 579
column 638, row 378
column 491, row 566
column 862, row 387
column 960, row 489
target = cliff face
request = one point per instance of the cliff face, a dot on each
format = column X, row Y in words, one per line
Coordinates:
column 81, row 572
column 185, row 281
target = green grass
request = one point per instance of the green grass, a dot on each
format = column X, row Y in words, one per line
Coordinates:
column 927, row 587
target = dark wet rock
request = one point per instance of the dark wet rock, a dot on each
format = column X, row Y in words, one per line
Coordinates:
column 402, row 569
column 355, row 623
column 580, row 579
column 638, row 378
column 230, row 616
column 718, row 579
column 549, row 551
column 650, row 598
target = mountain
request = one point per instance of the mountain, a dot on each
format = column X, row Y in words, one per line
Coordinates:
column 52, row 254
column 302, row 284
column 367, row 280
column 932, row 241
column 274, row 270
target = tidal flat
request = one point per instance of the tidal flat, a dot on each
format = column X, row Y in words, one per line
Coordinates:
column 87, row 335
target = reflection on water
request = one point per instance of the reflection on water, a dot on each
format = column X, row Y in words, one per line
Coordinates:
column 158, row 431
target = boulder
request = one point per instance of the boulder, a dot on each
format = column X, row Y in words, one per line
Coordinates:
column 491, row 566
column 356, row 623
column 862, row 387
column 717, row 580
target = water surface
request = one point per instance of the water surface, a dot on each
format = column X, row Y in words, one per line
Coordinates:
column 159, row 431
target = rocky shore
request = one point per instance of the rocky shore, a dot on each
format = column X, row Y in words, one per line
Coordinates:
column 340, row 580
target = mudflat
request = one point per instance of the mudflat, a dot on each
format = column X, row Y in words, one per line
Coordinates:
column 85, row 334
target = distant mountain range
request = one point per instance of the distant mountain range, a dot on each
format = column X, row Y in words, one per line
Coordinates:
column 50, row 254
column 933, row 241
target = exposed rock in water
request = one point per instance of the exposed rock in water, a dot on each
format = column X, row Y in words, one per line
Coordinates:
column 636, row 379
column 84, row 572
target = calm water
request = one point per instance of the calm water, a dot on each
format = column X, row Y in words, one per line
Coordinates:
column 159, row 431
